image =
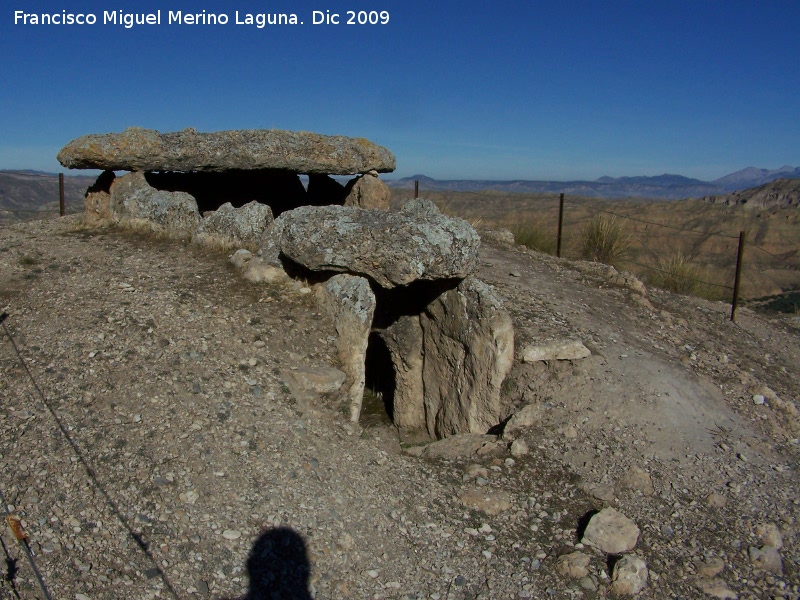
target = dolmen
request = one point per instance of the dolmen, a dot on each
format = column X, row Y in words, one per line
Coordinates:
column 412, row 320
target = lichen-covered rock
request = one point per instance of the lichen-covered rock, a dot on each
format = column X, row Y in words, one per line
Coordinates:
column 137, row 149
column 390, row 248
column 241, row 226
column 450, row 361
column 403, row 340
column 135, row 202
column 367, row 191
column 351, row 303
column 468, row 349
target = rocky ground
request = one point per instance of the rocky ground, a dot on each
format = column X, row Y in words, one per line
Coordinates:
column 166, row 433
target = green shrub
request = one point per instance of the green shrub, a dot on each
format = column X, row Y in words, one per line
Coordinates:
column 604, row 239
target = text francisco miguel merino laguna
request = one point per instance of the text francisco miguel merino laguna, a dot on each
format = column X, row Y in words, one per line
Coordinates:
column 173, row 17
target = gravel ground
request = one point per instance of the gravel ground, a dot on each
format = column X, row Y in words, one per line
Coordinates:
column 153, row 445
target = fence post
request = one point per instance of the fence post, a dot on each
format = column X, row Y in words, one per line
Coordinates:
column 560, row 223
column 61, row 208
column 739, row 256
column 416, row 189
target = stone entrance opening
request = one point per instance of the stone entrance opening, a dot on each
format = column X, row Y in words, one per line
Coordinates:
column 379, row 377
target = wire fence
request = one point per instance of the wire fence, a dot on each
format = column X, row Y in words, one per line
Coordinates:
column 695, row 253
column 690, row 247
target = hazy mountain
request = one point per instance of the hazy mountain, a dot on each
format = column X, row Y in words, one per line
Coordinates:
column 23, row 193
column 778, row 193
column 662, row 186
column 751, row 177
column 666, row 186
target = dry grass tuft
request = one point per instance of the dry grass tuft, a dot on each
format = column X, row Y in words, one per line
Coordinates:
column 604, row 239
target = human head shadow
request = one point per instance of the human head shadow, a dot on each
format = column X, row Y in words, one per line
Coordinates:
column 278, row 566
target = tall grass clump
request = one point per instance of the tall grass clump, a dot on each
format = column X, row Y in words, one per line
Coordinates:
column 677, row 273
column 604, row 239
column 534, row 237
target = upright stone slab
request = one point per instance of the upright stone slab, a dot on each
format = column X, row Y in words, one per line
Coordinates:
column 351, row 303
column 137, row 149
column 468, row 349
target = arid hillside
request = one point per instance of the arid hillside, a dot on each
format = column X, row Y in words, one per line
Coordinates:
column 166, row 431
column 705, row 233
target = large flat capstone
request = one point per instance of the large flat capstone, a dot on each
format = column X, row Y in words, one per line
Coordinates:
column 137, row 149
column 390, row 248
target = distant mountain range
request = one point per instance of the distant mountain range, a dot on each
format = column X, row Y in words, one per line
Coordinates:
column 25, row 191
column 666, row 187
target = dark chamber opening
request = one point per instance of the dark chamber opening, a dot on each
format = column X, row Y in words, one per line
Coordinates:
column 380, row 377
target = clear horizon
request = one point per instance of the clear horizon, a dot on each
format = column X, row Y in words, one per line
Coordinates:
column 457, row 90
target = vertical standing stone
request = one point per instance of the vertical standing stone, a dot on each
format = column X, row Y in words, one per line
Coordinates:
column 351, row 303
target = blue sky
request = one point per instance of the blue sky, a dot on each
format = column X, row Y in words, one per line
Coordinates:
column 482, row 90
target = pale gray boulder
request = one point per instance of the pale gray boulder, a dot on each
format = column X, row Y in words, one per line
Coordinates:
column 134, row 201
column 367, row 191
column 137, row 149
column 242, row 227
column 351, row 303
column 450, row 362
column 390, row 248
column 468, row 349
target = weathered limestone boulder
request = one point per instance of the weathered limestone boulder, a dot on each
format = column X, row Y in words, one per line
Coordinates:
column 137, row 149
column 450, row 362
column 351, row 303
column 134, row 201
column 390, row 248
column 367, row 191
column 468, row 349
column 241, row 227
column 403, row 340
column 611, row 532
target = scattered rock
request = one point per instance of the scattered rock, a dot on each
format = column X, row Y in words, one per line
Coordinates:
column 519, row 448
column 574, row 565
column 611, row 531
column 525, row 418
column 766, row 558
column 716, row 588
column 770, row 535
column 492, row 502
column 458, row 446
column 711, row 567
column 629, row 576
column 569, row 350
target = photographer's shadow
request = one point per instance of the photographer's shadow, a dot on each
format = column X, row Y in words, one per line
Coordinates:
column 278, row 567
